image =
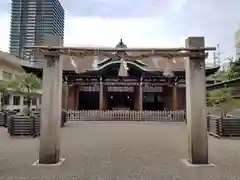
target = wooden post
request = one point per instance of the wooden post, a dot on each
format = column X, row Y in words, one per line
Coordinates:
column 51, row 111
column 174, row 98
column 76, row 90
column 196, row 104
column 66, row 98
column 101, row 95
column 140, row 95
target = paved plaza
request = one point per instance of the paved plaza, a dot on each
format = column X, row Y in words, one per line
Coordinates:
column 119, row 151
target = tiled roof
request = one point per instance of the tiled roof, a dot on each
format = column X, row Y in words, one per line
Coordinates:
column 85, row 63
column 11, row 60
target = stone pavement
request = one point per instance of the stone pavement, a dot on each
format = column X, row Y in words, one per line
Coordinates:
column 119, row 151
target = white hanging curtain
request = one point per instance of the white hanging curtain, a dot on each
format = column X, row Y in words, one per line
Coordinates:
column 123, row 70
column 168, row 69
column 95, row 62
column 155, row 61
column 174, row 60
column 73, row 63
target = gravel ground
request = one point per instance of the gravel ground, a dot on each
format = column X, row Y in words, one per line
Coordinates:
column 119, row 151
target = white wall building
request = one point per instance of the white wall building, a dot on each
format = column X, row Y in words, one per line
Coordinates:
column 9, row 70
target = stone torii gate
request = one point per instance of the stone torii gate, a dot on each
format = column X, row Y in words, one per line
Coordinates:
column 194, row 52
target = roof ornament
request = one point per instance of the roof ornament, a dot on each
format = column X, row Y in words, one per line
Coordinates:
column 121, row 44
column 96, row 60
column 167, row 71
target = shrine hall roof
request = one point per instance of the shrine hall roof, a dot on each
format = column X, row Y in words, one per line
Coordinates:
column 156, row 64
column 82, row 65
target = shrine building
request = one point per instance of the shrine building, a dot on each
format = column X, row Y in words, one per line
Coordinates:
column 100, row 83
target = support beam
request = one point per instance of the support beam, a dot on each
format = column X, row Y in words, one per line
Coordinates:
column 51, row 111
column 76, row 100
column 140, row 95
column 101, row 95
column 174, row 98
column 196, row 104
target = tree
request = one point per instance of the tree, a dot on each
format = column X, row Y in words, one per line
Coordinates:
column 222, row 100
column 233, row 69
column 26, row 83
column 4, row 93
column 220, row 76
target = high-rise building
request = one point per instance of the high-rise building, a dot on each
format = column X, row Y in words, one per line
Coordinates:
column 237, row 43
column 31, row 21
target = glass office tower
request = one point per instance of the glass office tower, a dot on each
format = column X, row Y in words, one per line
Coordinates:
column 31, row 20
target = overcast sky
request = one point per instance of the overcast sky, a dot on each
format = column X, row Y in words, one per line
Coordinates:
column 143, row 23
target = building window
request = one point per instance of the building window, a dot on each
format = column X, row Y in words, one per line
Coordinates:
column 5, row 99
column 16, row 100
column 25, row 100
column 6, row 75
column 34, row 101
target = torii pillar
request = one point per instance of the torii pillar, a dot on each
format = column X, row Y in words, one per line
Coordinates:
column 196, row 104
column 49, row 151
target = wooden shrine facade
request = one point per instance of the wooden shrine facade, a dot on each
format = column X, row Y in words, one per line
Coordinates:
column 144, row 93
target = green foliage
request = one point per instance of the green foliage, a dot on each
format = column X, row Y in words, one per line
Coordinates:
column 3, row 92
column 234, row 69
column 221, row 76
column 26, row 83
column 3, row 87
column 222, row 99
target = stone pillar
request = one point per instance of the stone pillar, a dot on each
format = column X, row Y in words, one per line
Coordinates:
column 196, row 104
column 51, row 111
column 174, row 98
